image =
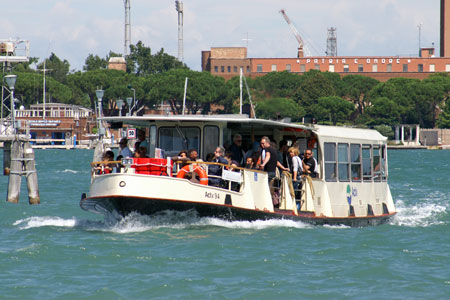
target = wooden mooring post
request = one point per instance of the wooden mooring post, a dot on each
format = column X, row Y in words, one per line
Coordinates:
column 18, row 161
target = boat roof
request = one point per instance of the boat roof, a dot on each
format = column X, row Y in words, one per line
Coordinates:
column 234, row 118
column 348, row 132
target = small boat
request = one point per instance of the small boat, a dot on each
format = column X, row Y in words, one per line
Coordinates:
column 350, row 188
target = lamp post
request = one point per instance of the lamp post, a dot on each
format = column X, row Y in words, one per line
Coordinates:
column 120, row 104
column 134, row 99
column 11, row 82
column 99, row 94
column 129, row 99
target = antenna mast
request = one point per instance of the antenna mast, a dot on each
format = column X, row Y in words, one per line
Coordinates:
column 179, row 8
column 127, row 28
column 331, row 42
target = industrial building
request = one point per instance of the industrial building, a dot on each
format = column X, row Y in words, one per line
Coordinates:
column 227, row 61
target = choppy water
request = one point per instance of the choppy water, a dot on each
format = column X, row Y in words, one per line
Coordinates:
column 57, row 251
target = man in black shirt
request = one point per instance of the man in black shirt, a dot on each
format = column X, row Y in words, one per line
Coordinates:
column 309, row 164
column 269, row 158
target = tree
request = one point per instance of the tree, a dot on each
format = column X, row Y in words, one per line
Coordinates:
column 94, row 63
column 59, row 68
column 278, row 84
column 357, row 89
column 444, row 117
column 333, row 108
column 25, row 66
column 203, row 90
column 314, row 85
column 141, row 61
column 29, row 89
column 383, row 111
column 278, row 108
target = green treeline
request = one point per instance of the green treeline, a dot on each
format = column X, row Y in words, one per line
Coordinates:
column 321, row 96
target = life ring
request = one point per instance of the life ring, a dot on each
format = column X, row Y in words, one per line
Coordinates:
column 198, row 170
column 68, row 134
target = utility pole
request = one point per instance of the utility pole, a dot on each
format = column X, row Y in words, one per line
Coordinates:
column 179, row 8
column 127, row 28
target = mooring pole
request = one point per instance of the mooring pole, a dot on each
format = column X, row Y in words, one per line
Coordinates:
column 30, row 170
column 15, row 174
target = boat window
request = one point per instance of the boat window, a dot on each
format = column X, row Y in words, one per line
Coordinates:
column 355, row 157
column 152, row 140
column 210, row 139
column 330, row 161
column 376, row 163
column 383, row 163
column 174, row 139
column 343, row 162
column 367, row 162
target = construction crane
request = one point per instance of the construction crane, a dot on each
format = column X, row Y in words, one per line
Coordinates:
column 301, row 52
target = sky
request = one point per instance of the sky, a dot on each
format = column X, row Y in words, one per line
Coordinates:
column 73, row 29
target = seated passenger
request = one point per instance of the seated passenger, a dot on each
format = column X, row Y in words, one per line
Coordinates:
column 216, row 170
column 104, row 167
column 141, row 152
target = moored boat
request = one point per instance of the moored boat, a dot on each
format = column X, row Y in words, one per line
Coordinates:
column 350, row 187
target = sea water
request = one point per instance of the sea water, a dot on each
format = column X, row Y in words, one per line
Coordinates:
column 55, row 250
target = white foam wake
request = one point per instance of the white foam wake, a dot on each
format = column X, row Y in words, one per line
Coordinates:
column 34, row 222
column 419, row 215
column 139, row 223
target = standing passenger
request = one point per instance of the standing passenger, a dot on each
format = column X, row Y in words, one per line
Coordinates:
column 310, row 164
column 236, row 149
column 216, row 170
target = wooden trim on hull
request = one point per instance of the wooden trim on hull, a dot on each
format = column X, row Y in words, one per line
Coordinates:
column 122, row 206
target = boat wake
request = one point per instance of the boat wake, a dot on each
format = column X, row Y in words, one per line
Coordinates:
column 420, row 214
column 138, row 223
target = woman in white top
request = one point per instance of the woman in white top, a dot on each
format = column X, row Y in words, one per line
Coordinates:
column 297, row 168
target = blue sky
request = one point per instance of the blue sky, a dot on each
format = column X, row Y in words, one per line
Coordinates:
column 73, row 29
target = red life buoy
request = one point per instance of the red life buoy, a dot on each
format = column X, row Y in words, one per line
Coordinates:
column 198, row 170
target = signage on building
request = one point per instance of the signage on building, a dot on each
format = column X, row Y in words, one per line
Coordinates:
column 44, row 123
column 131, row 133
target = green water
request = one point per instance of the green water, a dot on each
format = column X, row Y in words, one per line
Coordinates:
column 57, row 251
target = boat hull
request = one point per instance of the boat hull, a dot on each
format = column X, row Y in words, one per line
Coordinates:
column 120, row 206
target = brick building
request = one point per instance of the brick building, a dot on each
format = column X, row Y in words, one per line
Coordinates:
column 227, row 61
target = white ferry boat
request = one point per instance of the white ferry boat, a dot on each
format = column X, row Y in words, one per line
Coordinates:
column 351, row 186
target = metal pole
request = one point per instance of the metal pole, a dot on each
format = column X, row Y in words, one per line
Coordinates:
column 44, row 93
column 184, row 98
column 240, row 92
column 13, row 117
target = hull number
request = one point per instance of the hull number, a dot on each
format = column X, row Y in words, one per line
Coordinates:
column 212, row 195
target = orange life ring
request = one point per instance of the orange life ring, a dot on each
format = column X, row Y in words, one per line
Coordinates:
column 198, row 170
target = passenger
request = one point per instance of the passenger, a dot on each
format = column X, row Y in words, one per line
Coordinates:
column 182, row 154
column 309, row 164
column 209, row 157
column 249, row 163
column 124, row 151
column 106, row 168
column 142, row 141
column 216, row 170
column 141, row 152
column 297, row 169
column 254, row 150
column 230, row 160
column 283, row 155
column 236, row 149
column 269, row 158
